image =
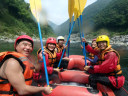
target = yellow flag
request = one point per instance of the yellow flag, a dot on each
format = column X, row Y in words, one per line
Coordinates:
column 70, row 8
column 36, row 7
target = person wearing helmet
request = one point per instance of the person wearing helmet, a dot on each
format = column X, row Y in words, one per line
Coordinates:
column 108, row 71
column 50, row 56
column 60, row 45
column 16, row 70
column 92, row 58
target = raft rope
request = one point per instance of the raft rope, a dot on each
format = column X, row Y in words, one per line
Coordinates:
column 73, row 85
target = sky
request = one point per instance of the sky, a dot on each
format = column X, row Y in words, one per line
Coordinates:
column 57, row 10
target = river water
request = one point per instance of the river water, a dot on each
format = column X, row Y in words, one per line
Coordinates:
column 76, row 50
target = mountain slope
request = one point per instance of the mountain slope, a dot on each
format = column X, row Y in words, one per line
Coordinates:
column 88, row 15
column 16, row 19
column 114, row 17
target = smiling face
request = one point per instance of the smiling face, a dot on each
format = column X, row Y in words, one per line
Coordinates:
column 94, row 44
column 24, row 47
column 51, row 46
column 102, row 45
column 60, row 42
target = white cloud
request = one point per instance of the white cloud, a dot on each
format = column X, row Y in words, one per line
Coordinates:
column 57, row 10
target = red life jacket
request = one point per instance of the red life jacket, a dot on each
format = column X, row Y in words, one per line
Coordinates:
column 118, row 70
column 6, row 88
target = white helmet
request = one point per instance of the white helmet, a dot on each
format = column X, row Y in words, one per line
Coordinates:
column 60, row 38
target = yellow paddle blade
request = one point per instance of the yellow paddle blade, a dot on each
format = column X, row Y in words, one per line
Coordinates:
column 36, row 7
column 82, row 4
column 76, row 10
column 70, row 8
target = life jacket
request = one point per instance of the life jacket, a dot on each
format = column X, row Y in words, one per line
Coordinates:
column 51, row 56
column 59, row 49
column 91, row 56
column 6, row 88
column 101, row 59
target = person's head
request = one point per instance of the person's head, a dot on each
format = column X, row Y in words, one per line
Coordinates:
column 51, row 43
column 60, row 40
column 24, row 45
column 102, row 42
column 94, row 44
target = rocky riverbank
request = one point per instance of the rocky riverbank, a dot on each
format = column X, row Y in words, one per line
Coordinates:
column 121, row 40
column 11, row 40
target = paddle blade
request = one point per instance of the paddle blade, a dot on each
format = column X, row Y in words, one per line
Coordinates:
column 70, row 8
column 82, row 4
column 36, row 7
column 76, row 10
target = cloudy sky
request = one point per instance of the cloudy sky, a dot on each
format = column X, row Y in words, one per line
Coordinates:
column 57, row 10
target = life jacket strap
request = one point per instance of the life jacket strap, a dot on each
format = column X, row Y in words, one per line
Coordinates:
column 8, row 92
column 29, row 79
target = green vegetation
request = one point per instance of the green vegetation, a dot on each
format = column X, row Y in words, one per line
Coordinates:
column 102, row 17
column 114, row 17
column 16, row 19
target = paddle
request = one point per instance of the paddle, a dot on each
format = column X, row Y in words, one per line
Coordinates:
column 77, row 14
column 75, row 17
column 80, row 5
column 36, row 7
column 70, row 12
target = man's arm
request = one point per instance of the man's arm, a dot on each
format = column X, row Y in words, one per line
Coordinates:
column 13, row 72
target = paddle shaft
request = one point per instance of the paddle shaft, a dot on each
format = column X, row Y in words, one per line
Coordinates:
column 45, row 67
column 66, row 43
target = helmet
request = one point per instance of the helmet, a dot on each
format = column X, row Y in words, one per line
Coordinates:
column 94, row 39
column 23, row 37
column 50, row 40
column 103, row 38
column 60, row 38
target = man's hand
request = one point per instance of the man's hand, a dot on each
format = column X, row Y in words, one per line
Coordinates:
column 65, row 46
column 40, row 58
column 82, row 47
column 86, row 68
column 83, row 40
column 47, row 90
column 56, row 69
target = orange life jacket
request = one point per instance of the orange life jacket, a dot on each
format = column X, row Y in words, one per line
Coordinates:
column 91, row 56
column 118, row 70
column 59, row 49
column 5, row 87
column 51, row 56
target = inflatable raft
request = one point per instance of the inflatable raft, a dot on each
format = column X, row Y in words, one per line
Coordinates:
column 76, row 83
column 75, row 62
column 72, row 89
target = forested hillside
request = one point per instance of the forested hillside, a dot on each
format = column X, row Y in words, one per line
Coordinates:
column 114, row 17
column 102, row 17
column 88, row 14
column 16, row 19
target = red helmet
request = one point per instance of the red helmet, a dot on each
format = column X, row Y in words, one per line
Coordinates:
column 50, row 40
column 94, row 39
column 24, row 37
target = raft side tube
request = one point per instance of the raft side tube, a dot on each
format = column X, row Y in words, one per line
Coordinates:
column 62, row 90
column 77, row 63
column 74, row 76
